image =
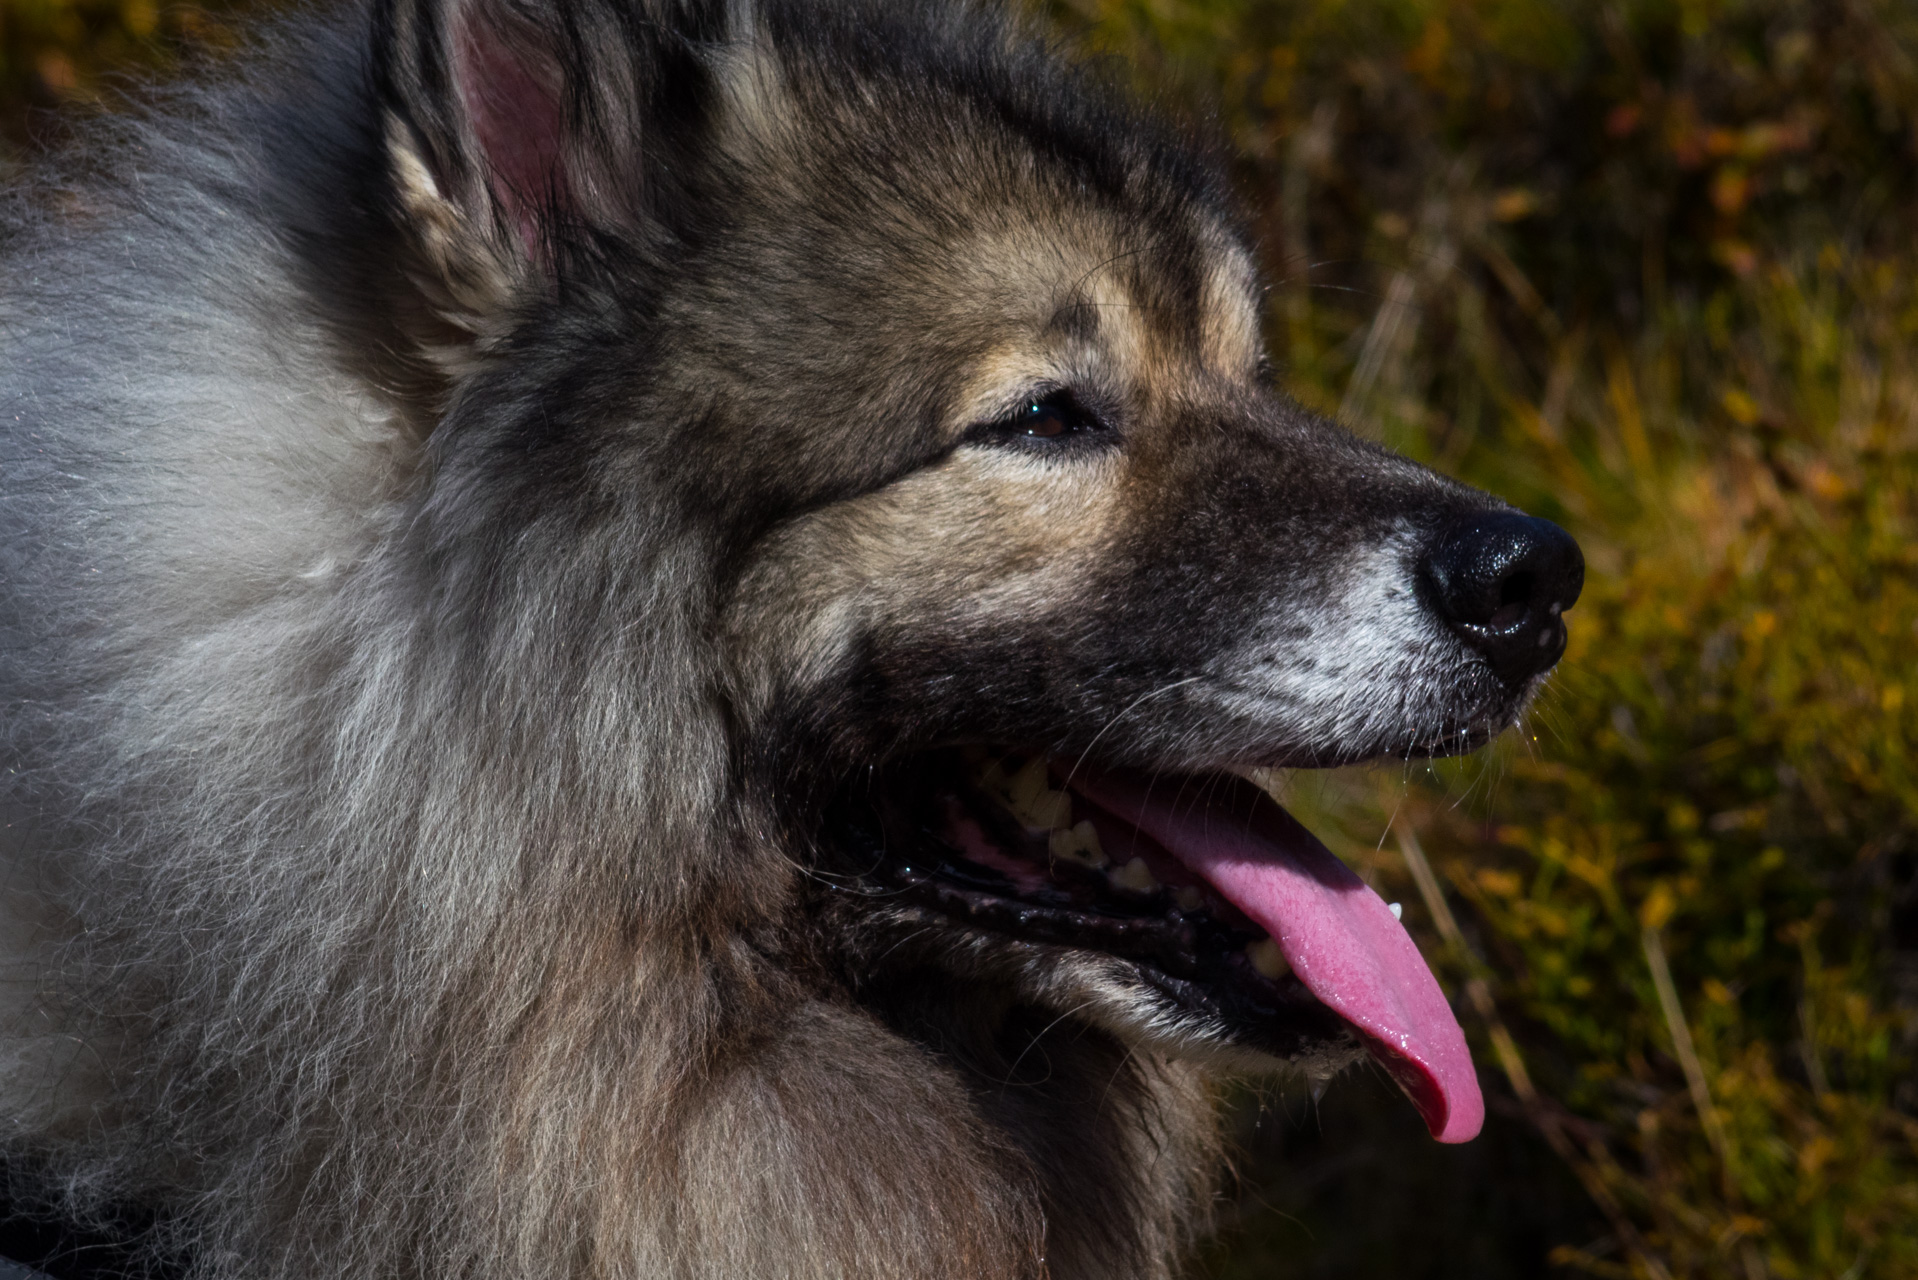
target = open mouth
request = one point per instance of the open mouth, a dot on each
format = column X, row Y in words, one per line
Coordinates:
column 1219, row 897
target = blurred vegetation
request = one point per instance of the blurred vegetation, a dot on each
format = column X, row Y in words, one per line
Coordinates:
column 1650, row 268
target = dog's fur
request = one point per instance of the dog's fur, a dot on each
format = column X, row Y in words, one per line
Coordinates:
column 488, row 489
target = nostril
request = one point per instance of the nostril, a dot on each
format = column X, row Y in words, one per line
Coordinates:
column 1514, row 601
column 1501, row 580
column 1516, row 588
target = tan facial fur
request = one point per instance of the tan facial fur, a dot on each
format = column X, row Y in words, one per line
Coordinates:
column 988, row 532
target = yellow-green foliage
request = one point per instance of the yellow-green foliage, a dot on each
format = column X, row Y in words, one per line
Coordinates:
column 1647, row 268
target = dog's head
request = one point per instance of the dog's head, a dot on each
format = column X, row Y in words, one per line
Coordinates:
column 927, row 376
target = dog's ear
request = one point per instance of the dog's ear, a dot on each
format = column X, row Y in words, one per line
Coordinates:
column 515, row 130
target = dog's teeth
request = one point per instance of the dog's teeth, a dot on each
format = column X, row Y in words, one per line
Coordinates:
column 1078, row 842
column 1267, row 959
column 1134, row 875
column 1024, row 793
column 1398, row 910
column 1188, row 898
column 1031, row 799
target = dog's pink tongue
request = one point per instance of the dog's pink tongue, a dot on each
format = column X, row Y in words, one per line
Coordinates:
column 1340, row 938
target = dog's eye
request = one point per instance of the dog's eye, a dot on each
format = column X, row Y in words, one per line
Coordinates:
column 1052, row 417
column 1042, row 419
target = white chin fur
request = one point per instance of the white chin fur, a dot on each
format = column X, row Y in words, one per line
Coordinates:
column 1369, row 665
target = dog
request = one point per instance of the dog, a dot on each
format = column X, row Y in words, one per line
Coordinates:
column 637, row 639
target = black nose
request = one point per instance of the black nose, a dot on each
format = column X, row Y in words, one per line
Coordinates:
column 1501, row 580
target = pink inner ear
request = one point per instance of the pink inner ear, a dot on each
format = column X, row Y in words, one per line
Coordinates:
column 517, row 120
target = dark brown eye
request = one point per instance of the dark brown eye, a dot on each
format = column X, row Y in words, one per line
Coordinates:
column 1053, row 417
column 1045, row 420
column 1054, row 420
